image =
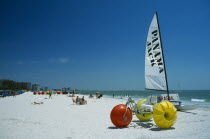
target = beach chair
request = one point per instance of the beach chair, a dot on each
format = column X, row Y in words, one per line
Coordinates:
column 74, row 101
column 100, row 96
column 91, row 96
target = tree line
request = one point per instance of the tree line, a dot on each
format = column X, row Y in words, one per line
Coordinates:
column 13, row 85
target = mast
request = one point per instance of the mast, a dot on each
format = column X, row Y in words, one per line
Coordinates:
column 163, row 56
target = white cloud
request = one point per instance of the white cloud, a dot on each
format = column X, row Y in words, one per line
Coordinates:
column 63, row 60
column 20, row 62
column 60, row 60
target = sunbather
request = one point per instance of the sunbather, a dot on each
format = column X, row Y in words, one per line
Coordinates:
column 38, row 103
column 83, row 101
column 90, row 96
column 79, row 101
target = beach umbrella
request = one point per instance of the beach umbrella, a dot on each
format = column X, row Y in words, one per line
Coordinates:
column 58, row 92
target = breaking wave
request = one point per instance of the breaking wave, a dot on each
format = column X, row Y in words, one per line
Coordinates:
column 198, row 100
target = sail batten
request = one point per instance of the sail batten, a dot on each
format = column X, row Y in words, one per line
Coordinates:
column 155, row 73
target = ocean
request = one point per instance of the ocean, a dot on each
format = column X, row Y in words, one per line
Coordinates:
column 188, row 97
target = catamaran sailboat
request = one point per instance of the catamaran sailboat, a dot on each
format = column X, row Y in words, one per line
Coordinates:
column 155, row 69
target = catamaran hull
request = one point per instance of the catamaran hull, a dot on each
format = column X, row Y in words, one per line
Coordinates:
column 186, row 107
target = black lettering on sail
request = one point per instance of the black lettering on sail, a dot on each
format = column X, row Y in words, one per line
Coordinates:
column 152, row 60
column 155, row 32
column 157, row 54
column 155, row 39
column 158, row 60
column 156, row 46
column 150, row 54
column 160, row 63
column 148, row 43
column 149, row 50
column 160, row 69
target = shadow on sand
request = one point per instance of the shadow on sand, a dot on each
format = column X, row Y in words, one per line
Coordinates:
column 151, row 126
column 114, row 127
column 146, row 124
column 140, row 124
column 159, row 129
column 189, row 112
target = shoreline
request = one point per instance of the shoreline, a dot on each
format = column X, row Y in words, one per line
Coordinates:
column 59, row 117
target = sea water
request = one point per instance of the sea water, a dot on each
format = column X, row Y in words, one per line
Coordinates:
column 188, row 97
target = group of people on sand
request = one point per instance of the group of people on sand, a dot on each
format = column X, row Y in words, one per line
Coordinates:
column 98, row 95
column 80, row 101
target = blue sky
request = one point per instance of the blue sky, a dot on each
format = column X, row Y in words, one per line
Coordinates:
column 100, row 44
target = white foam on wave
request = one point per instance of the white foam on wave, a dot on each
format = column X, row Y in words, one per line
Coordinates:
column 198, row 100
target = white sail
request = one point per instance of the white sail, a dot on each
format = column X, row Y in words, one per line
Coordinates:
column 155, row 77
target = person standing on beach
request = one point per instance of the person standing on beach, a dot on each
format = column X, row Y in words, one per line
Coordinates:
column 113, row 95
column 50, row 95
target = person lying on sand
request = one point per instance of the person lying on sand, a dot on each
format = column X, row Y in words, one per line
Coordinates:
column 72, row 95
column 90, row 96
column 37, row 103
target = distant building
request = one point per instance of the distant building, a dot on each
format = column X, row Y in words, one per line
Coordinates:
column 56, row 89
column 64, row 89
column 35, row 87
column 67, row 89
column 28, row 85
column 46, row 88
column 41, row 89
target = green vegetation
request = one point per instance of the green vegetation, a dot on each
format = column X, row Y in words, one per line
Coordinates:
column 13, row 85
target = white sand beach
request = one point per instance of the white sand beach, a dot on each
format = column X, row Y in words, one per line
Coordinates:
column 59, row 118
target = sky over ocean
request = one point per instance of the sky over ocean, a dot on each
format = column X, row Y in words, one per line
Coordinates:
column 101, row 44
